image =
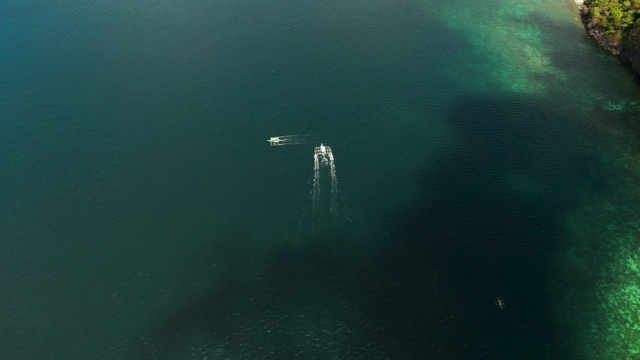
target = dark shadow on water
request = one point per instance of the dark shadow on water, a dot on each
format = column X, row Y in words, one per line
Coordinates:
column 485, row 226
column 269, row 313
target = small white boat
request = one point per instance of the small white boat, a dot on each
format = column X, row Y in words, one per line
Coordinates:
column 274, row 141
column 323, row 153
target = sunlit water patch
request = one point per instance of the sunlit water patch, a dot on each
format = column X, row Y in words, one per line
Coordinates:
column 512, row 34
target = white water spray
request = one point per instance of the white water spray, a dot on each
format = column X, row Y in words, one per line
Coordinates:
column 315, row 197
column 334, row 187
column 323, row 159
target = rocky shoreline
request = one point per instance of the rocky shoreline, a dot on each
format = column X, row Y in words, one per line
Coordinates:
column 598, row 35
column 629, row 55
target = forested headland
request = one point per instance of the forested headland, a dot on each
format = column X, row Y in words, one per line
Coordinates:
column 615, row 24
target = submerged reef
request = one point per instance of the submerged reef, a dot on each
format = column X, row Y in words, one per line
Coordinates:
column 598, row 286
column 615, row 25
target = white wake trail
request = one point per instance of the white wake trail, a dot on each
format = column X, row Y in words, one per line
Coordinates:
column 334, row 187
column 315, row 197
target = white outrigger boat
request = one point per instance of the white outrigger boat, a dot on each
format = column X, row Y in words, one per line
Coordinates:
column 323, row 153
column 274, row 141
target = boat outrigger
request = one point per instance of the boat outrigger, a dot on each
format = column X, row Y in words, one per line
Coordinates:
column 274, row 141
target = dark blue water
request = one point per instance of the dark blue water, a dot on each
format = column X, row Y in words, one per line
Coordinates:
column 145, row 217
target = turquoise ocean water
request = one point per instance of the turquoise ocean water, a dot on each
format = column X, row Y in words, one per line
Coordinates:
column 482, row 152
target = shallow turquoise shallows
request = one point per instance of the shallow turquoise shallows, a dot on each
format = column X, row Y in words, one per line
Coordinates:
column 481, row 201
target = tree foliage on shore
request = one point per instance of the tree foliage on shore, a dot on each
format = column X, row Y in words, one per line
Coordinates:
column 618, row 19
